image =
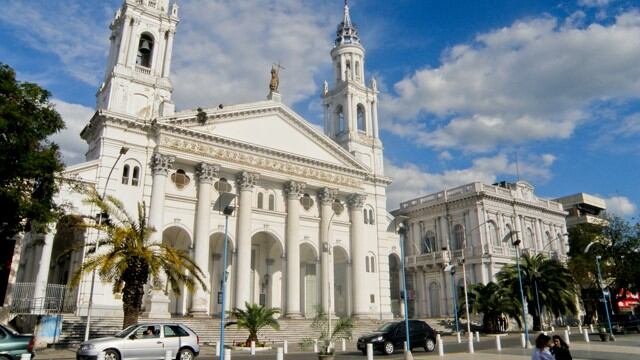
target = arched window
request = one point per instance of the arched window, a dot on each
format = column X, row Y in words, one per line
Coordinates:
column 549, row 244
column 340, row 120
column 371, row 218
column 529, row 240
column 358, row 70
column 135, row 178
column 260, row 201
column 458, row 237
column 367, row 264
column 493, row 234
column 272, row 202
column 361, row 118
column 373, row 263
column 429, row 243
column 365, row 215
column 145, row 50
column 125, row 175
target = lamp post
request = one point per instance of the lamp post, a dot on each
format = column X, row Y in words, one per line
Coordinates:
column 123, row 151
column 601, row 285
column 402, row 230
column 452, row 270
column 516, row 244
column 224, row 203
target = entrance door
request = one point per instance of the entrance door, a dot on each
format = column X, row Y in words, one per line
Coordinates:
column 310, row 290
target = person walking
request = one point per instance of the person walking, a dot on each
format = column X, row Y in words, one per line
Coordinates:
column 542, row 352
column 560, row 349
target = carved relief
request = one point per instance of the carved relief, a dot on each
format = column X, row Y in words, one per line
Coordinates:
column 206, row 173
column 294, row 189
column 326, row 196
column 247, row 180
column 161, row 164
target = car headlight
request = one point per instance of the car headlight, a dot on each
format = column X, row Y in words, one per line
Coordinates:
column 379, row 338
column 85, row 347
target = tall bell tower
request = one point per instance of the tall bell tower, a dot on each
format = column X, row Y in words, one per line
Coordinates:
column 350, row 106
column 136, row 81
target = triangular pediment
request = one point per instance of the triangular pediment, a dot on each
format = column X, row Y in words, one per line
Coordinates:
column 269, row 125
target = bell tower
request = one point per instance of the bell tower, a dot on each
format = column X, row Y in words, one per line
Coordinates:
column 350, row 106
column 136, row 81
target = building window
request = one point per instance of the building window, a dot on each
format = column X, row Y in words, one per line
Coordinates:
column 372, row 298
column 125, row 175
column 361, row 118
column 260, row 200
column 340, row 120
column 358, row 70
column 145, row 50
column 549, row 244
column 367, row 264
column 458, row 237
column 306, row 201
column 222, row 186
column 365, row 214
column 272, row 202
column 135, row 178
column 529, row 240
column 373, row 264
column 371, row 218
column 493, row 234
column 180, row 179
column 429, row 242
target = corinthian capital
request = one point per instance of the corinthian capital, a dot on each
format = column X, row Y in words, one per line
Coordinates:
column 355, row 201
column 326, row 196
column 294, row 189
column 246, row 180
column 161, row 164
column 207, row 172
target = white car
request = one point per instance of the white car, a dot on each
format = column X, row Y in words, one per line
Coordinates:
column 144, row 342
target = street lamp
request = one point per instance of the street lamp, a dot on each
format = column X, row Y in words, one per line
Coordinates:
column 337, row 208
column 402, row 230
column 601, row 284
column 224, row 203
column 123, row 151
column 516, row 244
column 452, row 270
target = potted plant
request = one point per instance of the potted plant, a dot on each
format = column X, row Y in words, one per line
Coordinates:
column 340, row 329
column 254, row 318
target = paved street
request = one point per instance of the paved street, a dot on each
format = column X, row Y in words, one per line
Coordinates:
column 624, row 348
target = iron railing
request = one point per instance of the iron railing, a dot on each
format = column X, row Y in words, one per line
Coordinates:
column 58, row 299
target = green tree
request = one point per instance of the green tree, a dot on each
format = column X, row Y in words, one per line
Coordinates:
column 127, row 258
column 342, row 329
column 492, row 301
column 556, row 292
column 254, row 318
column 28, row 161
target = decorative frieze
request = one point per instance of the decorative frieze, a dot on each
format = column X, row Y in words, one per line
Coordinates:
column 241, row 158
column 293, row 189
column 206, row 173
column 355, row 201
column 327, row 196
column 247, row 180
column 161, row 164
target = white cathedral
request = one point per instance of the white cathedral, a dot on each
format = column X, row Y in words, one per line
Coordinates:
column 310, row 227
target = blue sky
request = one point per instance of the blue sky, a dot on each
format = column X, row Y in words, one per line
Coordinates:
column 467, row 87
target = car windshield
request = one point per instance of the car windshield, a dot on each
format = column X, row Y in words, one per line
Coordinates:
column 125, row 332
column 386, row 327
column 10, row 330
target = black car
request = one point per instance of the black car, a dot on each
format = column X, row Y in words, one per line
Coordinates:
column 621, row 323
column 391, row 337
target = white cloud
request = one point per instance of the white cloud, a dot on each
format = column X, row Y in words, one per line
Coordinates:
column 593, row 3
column 411, row 181
column 75, row 116
column 530, row 81
column 620, row 206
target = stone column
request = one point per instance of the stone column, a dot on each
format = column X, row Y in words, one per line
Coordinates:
column 355, row 203
column 125, row 40
column 246, row 181
column 293, row 189
column 133, row 43
column 206, row 174
column 326, row 197
column 166, row 70
column 160, row 166
column 42, row 276
column 444, row 230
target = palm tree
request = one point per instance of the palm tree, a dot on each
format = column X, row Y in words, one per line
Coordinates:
column 493, row 301
column 254, row 318
column 342, row 329
column 129, row 260
column 547, row 284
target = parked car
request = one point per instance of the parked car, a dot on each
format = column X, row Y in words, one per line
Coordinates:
column 621, row 323
column 144, row 342
column 391, row 336
column 13, row 344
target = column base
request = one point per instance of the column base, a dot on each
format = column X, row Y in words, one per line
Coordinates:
column 294, row 316
column 157, row 305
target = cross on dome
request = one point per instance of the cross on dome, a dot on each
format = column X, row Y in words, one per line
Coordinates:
column 347, row 32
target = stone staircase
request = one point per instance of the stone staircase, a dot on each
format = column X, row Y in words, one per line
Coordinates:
column 208, row 329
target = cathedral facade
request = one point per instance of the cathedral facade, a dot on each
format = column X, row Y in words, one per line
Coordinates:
column 310, row 226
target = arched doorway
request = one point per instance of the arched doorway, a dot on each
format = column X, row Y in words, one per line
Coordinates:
column 178, row 238
column 70, row 234
column 434, row 299
column 340, row 282
column 309, row 280
column 266, row 270
column 394, row 284
column 216, row 251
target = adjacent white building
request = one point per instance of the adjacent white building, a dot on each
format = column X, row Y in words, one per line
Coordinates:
column 471, row 222
column 311, row 223
column 583, row 208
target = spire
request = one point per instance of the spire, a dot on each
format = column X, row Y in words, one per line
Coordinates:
column 347, row 32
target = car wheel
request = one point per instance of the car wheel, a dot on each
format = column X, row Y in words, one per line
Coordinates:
column 388, row 347
column 111, row 355
column 429, row 345
column 185, row 354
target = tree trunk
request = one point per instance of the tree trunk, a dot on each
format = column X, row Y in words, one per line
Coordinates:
column 135, row 277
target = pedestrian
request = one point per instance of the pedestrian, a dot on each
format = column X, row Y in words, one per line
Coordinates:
column 560, row 349
column 542, row 352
